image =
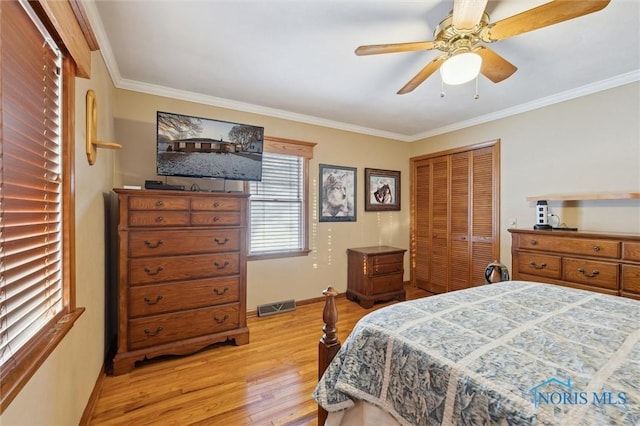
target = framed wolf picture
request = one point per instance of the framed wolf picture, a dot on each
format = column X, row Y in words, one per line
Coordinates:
column 337, row 193
column 382, row 190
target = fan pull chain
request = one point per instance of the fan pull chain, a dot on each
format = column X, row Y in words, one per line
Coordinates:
column 442, row 87
column 477, row 95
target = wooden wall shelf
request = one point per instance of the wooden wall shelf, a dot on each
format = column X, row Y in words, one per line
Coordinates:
column 583, row 197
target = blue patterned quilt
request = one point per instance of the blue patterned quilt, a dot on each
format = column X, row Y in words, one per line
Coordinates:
column 516, row 352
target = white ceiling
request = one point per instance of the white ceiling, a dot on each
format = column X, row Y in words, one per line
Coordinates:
column 295, row 59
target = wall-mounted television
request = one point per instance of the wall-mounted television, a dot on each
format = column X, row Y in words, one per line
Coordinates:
column 199, row 147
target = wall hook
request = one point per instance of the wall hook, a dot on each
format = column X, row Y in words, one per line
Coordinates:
column 92, row 130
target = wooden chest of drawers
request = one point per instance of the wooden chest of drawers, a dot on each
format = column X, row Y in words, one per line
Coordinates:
column 606, row 263
column 375, row 274
column 181, row 273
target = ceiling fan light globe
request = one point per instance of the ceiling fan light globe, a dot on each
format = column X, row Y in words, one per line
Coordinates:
column 461, row 68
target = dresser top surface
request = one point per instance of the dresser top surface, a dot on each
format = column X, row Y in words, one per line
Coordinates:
column 377, row 250
column 579, row 234
column 164, row 192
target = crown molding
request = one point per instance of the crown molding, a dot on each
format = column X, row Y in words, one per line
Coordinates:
column 120, row 83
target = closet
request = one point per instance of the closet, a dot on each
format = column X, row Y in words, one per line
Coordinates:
column 454, row 217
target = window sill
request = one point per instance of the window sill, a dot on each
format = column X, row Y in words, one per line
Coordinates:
column 278, row 254
column 17, row 372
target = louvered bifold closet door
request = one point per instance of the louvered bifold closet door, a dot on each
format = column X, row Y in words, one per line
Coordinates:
column 422, row 225
column 439, row 258
column 460, row 253
column 484, row 245
column 30, row 190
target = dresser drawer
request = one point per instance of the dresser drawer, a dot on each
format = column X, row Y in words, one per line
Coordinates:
column 216, row 204
column 631, row 278
column 631, row 251
column 162, row 243
column 159, row 329
column 540, row 265
column 158, row 203
column 215, row 219
column 180, row 268
column 386, row 264
column 578, row 246
column 152, row 218
column 598, row 274
column 161, row 298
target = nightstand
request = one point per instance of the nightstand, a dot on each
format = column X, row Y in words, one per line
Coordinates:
column 375, row 274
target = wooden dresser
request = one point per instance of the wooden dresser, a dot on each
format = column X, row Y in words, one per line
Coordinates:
column 606, row 263
column 181, row 273
column 375, row 274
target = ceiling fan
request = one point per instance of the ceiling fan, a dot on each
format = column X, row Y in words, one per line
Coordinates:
column 461, row 35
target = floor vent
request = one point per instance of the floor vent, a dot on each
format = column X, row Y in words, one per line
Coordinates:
column 276, row 308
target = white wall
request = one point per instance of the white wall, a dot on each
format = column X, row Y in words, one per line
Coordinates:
column 585, row 145
column 59, row 391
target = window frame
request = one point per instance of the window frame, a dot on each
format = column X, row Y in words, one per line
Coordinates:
column 300, row 149
column 28, row 359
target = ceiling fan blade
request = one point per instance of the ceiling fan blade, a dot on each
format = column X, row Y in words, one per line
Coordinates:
column 542, row 16
column 467, row 13
column 494, row 66
column 424, row 73
column 376, row 49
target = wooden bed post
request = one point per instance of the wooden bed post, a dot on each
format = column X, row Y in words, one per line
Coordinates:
column 329, row 343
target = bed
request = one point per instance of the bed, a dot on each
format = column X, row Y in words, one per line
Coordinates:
column 515, row 352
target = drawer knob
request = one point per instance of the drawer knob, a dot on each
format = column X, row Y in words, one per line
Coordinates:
column 533, row 242
column 216, row 218
column 221, row 242
column 159, row 203
column 220, row 293
column 221, row 320
column 593, row 273
column 219, row 266
column 153, row 245
column 536, row 266
column 159, row 219
column 153, row 302
column 150, row 272
column 596, row 249
column 152, row 333
column 216, row 204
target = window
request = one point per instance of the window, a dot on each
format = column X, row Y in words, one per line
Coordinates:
column 279, row 203
column 37, row 307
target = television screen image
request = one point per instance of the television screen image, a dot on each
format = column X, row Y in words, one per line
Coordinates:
column 199, row 147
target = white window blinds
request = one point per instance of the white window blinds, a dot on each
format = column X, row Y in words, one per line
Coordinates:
column 31, row 187
column 277, row 205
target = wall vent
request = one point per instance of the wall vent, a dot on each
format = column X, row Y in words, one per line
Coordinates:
column 276, row 308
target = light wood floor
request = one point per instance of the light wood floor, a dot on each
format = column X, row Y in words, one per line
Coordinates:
column 267, row 382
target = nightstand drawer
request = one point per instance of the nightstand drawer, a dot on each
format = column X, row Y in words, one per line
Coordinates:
column 162, row 298
column 599, row 274
column 579, row 246
column 540, row 265
column 386, row 264
column 159, row 329
column 386, row 284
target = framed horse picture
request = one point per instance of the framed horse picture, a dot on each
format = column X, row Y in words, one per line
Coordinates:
column 381, row 190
